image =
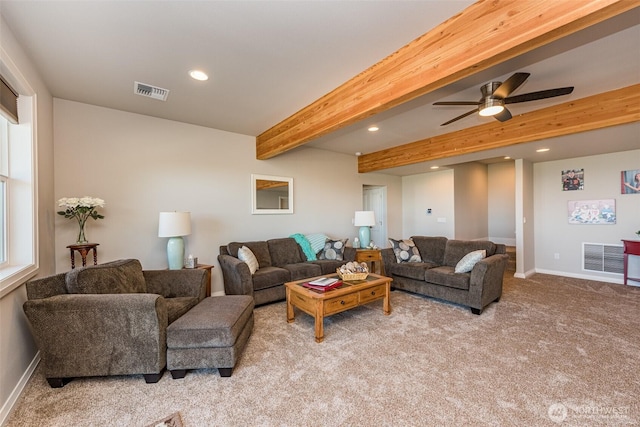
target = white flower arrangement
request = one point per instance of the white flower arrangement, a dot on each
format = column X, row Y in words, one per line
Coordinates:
column 81, row 208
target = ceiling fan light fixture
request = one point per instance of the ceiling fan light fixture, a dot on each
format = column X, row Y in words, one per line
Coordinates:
column 491, row 107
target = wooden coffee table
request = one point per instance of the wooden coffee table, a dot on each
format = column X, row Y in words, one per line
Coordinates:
column 351, row 294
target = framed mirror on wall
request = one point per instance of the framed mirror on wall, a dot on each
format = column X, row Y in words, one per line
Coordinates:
column 271, row 194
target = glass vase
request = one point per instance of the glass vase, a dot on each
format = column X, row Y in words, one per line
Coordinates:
column 82, row 239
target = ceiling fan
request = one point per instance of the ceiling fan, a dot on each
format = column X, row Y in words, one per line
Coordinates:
column 496, row 94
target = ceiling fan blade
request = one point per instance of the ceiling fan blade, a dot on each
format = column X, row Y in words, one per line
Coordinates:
column 503, row 116
column 533, row 96
column 509, row 85
column 462, row 116
column 457, row 103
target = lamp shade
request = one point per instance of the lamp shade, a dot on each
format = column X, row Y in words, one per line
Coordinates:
column 172, row 224
column 364, row 219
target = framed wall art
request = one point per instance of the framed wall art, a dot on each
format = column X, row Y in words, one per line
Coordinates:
column 630, row 182
column 592, row 211
column 573, row 179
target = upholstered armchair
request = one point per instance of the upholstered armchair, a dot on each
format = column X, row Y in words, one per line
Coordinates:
column 109, row 319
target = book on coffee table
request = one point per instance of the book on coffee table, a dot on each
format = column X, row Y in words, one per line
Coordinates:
column 323, row 288
column 324, row 281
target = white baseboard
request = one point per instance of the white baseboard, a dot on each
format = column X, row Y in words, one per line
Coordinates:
column 582, row 276
column 18, row 389
column 525, row 275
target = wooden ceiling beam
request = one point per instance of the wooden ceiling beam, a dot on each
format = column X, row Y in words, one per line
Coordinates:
column 483, row 35
column 612, row 108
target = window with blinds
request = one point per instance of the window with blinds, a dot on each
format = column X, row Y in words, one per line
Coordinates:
column 8, row 101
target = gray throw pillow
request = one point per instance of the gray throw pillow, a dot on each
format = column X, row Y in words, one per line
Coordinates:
column 334, row 249
column 405, row 250
column 467, row 262
column 245, row 255
column 317, row 241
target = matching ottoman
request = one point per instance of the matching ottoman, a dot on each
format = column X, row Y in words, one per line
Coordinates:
column 213, row 334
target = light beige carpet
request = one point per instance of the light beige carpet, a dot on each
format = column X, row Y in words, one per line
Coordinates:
column 553, row 351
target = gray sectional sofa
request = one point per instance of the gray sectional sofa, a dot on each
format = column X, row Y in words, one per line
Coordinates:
column 280, row 260
column 428, row 268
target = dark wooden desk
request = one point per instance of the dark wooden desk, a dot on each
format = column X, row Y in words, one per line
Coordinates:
column 84, row 250
column 631, row 247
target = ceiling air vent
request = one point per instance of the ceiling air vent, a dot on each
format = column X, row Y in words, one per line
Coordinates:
column 149, row 91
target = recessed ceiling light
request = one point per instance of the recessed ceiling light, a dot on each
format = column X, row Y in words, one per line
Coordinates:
column 435, row 167
column 507, row 158
column 358, row 153
column 373, row 128
column 542, row 150
column 198, row 75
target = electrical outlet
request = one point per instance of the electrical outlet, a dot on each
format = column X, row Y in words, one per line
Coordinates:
column 429, row 211
column 442, row 219
column 556, row 256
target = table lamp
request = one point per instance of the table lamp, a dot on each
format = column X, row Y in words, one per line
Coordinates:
column 364, row 220
column 174, row 225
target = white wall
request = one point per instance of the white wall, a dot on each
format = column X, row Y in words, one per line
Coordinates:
column 142, row 165
column 17, row 349
column 501, row 203
column 471, row 201
column 420, row 192
column 525, row 230
column 553, row 232
column 474, row 200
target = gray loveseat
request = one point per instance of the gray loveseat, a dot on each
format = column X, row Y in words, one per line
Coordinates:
column 434, row 274
column 280, row 260
column 109, row 319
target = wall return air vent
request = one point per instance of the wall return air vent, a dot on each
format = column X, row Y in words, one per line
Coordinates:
column 150, row 91
column 606, row 258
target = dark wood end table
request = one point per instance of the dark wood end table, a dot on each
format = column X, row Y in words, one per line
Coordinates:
column 84, row 250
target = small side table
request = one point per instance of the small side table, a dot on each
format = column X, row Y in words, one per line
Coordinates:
column 373, row 257
column 631, row 247
column 84, row 250
column 208, row 268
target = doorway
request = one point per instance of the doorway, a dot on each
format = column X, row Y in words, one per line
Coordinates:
column 374, row 198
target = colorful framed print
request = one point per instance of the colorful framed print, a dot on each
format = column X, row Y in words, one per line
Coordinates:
column 630, row 182
column 592, row 211
column 573, row 179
